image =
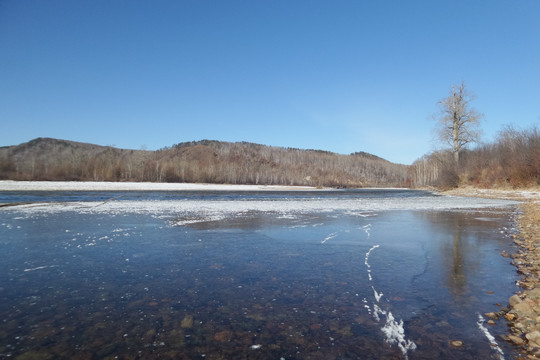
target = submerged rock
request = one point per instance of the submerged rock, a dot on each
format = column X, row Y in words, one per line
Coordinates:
column 187, row 322
column 35, row 355
column 456, row 343
column 223, row 336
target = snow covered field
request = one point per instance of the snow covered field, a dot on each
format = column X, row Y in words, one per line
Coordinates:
column 8, row 185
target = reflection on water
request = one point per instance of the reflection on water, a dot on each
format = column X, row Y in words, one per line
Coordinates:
column 325, row 285
column 457, row 278
column 462, row 249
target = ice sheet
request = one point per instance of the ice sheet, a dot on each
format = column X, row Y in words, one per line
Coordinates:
column 226, row 208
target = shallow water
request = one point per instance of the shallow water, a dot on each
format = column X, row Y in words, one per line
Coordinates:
column 323, row 275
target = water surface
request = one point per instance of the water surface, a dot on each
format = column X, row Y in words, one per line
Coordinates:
column 269, row 275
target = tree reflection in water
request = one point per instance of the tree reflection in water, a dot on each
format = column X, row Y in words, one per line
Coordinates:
column 461, row 237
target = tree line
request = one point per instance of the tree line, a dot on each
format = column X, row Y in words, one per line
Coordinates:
column 200, row 162
column 512, row 160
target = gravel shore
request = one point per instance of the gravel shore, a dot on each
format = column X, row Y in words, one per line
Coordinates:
column 523, row 312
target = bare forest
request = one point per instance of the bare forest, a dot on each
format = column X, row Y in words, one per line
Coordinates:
column 512, row 160
column 198, row 162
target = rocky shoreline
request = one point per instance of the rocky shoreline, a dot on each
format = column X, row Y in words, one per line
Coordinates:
column 523, row 312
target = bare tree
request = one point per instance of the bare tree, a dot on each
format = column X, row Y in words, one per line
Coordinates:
column 458, row 122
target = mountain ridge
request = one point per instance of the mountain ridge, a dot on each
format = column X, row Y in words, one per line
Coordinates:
column 209, row 161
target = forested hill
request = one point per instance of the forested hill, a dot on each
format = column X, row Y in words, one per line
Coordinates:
column 199, row 162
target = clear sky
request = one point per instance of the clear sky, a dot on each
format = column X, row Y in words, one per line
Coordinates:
column 342, row 76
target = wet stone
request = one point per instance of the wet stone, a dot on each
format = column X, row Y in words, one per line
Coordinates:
column 35, row 355
column 223, row 336
column 491, row 315
column 516, row 339
column 456, row 343
column 187, row 322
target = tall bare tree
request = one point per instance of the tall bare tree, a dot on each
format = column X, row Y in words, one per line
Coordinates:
column 458, row 122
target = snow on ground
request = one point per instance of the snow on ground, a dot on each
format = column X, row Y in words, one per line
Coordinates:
column 8, row 185
column 514, row 194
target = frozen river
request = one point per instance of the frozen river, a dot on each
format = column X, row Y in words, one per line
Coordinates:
column 365, row 274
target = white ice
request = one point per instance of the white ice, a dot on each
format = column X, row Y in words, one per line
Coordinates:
column 395, row 334
column 329, row 237
column 366, row 262
column 393, row 330
column 377, row 295
column 490, row 337
column 192, row 211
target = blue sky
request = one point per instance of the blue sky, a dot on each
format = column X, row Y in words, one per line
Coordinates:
column 342, row 76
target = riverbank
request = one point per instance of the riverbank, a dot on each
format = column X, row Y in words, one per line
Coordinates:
column 509, row 194
column 523, row 313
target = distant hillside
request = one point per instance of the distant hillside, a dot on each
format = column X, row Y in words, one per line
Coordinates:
column 205, row 161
